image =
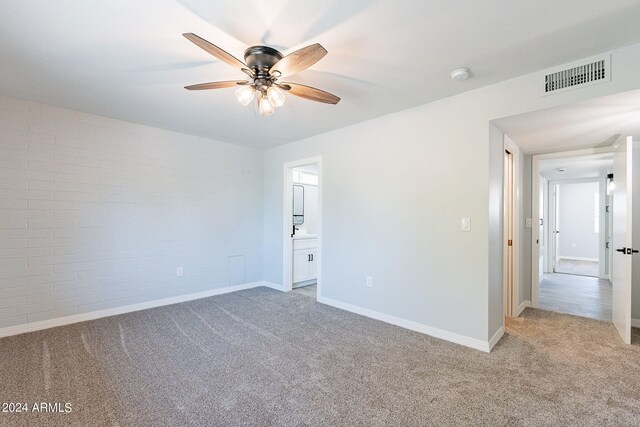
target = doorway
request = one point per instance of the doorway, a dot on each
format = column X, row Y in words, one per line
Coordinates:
column 302, row 238
column 606, row 125
column 576, row 210
column 575, row 234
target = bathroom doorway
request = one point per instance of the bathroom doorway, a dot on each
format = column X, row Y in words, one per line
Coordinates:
column 302, row 227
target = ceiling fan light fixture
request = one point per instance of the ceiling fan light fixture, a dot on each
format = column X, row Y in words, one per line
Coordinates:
column 264, row 66
column 276, row 96
column 245, row 94
column 264, row 106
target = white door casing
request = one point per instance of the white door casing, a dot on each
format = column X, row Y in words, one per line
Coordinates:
column 511, row 226
column 508, row 233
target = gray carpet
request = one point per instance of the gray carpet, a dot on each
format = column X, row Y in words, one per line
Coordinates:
column 580, row 268
column 264, row 358
column 309, row 290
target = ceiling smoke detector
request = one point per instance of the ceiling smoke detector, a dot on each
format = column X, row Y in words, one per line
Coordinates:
column 460, row 74
column 561, row 169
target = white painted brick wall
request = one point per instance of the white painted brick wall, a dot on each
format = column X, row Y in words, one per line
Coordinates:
column 97, row 213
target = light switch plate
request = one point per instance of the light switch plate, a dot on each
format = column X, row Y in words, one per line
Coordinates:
column 465, row 224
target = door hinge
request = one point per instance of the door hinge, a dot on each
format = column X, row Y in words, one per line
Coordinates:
column 607, row 245
column 607, row 209
column 509, row 242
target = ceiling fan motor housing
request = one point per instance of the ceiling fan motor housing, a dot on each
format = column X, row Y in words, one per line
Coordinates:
column 261, row 58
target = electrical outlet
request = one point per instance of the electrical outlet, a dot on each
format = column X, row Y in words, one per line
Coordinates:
column 369, row 282
column 179, row 272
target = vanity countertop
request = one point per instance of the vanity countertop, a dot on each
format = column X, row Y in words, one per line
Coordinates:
column 305, row 236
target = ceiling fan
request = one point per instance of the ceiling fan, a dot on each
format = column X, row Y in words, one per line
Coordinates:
column 265, row 66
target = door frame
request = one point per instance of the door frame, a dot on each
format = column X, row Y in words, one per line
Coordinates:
column 552, row 252
column 544, row 224
column 287, row 222
column 512, row 290
column 535, row 209
column 552, row 222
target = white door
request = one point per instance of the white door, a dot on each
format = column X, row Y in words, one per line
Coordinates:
column 621, row 277
column 610, row 234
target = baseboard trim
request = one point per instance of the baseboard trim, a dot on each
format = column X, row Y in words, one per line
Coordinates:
column 409, row 324
column 578, row 258
column 496, row 337
column 76, row 318
column 635, row 323
column 524, row 304
column 273, row 285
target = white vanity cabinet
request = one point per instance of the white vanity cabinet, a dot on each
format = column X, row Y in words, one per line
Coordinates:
column 305, row 261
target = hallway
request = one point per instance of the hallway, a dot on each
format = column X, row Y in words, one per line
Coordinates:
column 578, row 295
column 578, row 268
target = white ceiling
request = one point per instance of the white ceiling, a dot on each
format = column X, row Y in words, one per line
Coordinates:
column 127, row 59
column 583, row 167
column 592, row 123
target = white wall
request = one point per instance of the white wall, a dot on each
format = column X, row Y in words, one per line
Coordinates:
column 525, row 232
column 495, row 231
column 310, row 225
column 395, row 189
column 97, row 213
column 576, row 210
column 307, row 177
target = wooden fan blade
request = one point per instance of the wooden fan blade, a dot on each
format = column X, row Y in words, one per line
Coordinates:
column 299, row 60
column 216, row 85
column 311, row 93
column 215, row 51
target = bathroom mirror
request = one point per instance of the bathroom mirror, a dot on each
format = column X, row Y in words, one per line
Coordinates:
column 298, row 204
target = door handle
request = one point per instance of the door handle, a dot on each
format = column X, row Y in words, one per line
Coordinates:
column 634, row 251
column 623, row 250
